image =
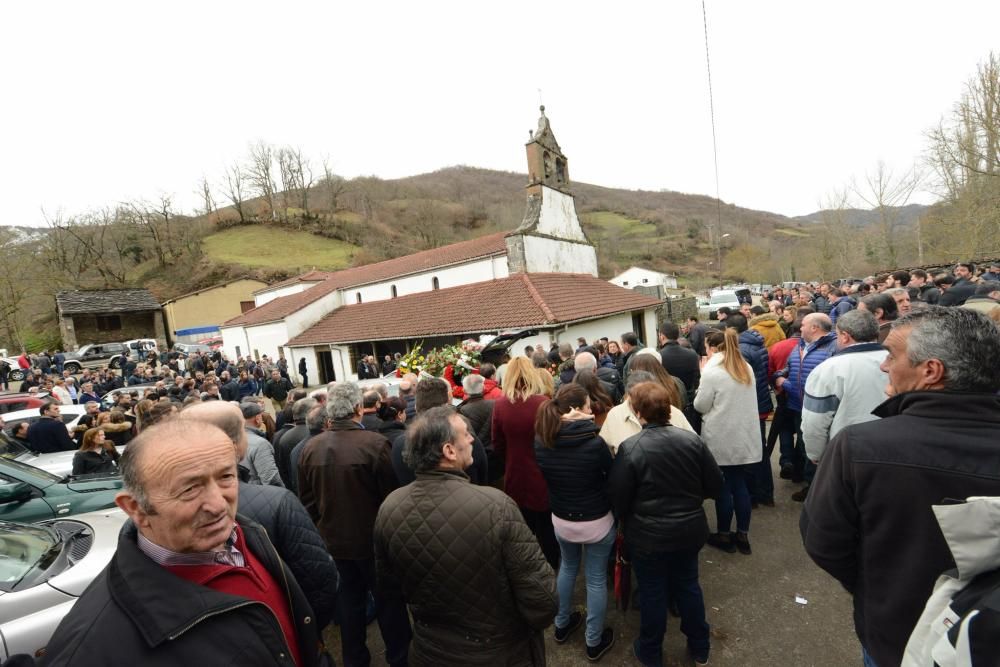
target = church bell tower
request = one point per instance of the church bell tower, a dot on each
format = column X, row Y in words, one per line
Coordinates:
column 550, row 238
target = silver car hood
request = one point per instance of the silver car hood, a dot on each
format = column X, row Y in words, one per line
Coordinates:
column 29, row 617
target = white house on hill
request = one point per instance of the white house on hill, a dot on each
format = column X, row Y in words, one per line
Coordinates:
column 542, row 275
column 639, row 277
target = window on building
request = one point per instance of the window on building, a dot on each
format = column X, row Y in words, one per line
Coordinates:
column 247, row 305
column 109, row 322
column 645, row 280
column 392, row 290
column 624, row 283
column 357, row 296
column 435, row 284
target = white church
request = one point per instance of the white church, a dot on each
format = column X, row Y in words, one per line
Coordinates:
column 540, row 276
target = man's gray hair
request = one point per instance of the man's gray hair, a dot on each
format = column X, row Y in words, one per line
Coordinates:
column 965, row 341
column 473, row 384
column 637, row 377
column 426, row 436
column 343, row 400
column 301, row 408
column 585, row 361
column 316, row 419
column 859, row 325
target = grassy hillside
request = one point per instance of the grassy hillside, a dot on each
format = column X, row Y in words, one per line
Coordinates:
column 257, row 246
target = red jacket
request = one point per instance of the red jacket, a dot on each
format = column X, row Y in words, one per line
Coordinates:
column 514, row 439
column 777, row 355
column 491, row 390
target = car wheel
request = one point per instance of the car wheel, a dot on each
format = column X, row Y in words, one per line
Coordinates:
column 115, row 363
column 17, row 375
column 72, row 367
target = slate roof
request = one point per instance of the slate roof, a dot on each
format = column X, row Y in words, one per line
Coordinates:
column 521, row 300
column 82, row 302
column 425, row 260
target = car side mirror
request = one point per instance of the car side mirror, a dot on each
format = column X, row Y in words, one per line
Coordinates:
column 11, row 493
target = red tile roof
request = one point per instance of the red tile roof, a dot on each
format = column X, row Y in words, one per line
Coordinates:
column 521, row 300
column 425, row 260
column 307, row 277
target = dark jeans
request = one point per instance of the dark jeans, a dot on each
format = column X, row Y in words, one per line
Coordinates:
column 761, row 480
column 793, row 450
column 357, row 577
column 540, row 524
column 669, row 575
column 734, row 495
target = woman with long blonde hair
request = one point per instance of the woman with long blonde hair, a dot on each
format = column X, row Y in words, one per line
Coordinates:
column 513, row 434
column 727, row 399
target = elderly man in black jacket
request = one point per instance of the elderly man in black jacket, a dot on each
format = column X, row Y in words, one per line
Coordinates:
column 868, row 520
column 191, row 582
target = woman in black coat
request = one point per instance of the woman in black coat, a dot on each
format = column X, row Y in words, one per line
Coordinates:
column 658, row 483
column 97, row 455
column 575, row 462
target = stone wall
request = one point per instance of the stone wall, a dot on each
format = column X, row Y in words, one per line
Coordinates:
column 134, row 325
column 677, row 310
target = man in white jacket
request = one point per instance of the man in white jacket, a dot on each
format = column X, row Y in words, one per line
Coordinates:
column 844, row 389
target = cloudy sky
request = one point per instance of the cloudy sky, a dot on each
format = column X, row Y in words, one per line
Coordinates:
column 108, row 101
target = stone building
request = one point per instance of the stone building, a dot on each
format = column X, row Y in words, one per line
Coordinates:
column 542, row 276
column 108, row 316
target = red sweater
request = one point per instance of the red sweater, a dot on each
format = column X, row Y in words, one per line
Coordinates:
column 514, row 439
column 777, row 356
column 253, row 582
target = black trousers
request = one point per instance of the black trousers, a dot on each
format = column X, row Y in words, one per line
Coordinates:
column 357, row 577
column 540, row 524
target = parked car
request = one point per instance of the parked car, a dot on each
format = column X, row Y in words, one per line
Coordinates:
column 214, row 343
column 95, row 355
column 16, row 402
column 30, row 494
column 731, row 299
column 16, row 372
column 44, row 568
column 108, row 399
column 59, row 464
column 187, row 349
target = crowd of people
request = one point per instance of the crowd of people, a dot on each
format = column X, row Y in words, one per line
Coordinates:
column 462, row 529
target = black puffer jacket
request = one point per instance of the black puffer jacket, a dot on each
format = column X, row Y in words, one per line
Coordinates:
column 755, row 353
column 298, row 543
column 576, row 471
column 659, row 480
column 138, row 613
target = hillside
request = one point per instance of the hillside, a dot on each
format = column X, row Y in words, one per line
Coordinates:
column 257, row 246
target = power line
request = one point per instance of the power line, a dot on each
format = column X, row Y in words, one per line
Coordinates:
column 715, row 149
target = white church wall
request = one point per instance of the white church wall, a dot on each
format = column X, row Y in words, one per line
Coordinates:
column 312, row 313
column 267, row 339
column 545, row 255
column 264, row 297
column 475, row 271
column 557, row 216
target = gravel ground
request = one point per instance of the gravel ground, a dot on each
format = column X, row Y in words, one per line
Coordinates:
column 750, row 602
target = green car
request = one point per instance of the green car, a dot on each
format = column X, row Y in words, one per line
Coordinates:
column 29, row 494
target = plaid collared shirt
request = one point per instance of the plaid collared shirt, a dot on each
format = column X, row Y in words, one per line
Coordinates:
column 230, row 555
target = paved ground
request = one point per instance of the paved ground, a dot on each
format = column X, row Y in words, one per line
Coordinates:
column 750, row 601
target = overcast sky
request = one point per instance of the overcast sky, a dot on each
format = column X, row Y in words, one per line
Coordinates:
column 109, row 101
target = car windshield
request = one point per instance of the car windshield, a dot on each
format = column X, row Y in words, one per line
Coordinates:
column 32, row 474
column 25, row 552
column 723, row 297
column 10, row 449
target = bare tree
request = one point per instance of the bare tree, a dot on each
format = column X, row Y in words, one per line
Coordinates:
column 15, row 290
column 333, row 186
column 885, row 193
column 207, row 199
column 235, row 189
column 260, row 173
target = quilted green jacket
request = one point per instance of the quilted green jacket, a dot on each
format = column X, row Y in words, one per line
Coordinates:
column 472, row 573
